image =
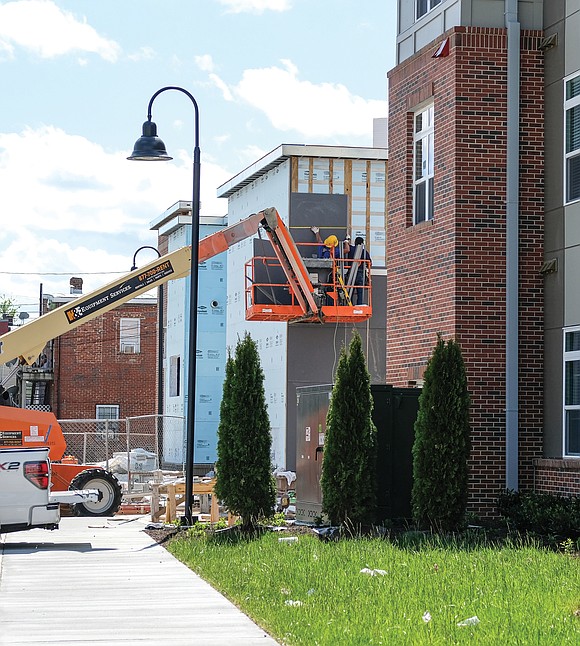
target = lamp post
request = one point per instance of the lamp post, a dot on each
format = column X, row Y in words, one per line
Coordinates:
column 159, row 335
column 149, row 147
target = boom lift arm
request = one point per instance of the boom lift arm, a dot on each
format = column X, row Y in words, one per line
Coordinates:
column 26, row 343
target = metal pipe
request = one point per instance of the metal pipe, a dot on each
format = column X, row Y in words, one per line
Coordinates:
column 512, row 243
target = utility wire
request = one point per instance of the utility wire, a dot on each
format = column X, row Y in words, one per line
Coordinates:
column 60, row 273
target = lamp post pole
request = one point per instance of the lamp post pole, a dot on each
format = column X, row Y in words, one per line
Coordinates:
column 150, row 148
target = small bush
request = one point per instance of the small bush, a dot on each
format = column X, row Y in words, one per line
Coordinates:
column 442, row 442
column 541, row 513
column 348, row 479
column 244, row 481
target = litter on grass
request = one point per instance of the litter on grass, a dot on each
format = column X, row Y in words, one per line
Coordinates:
column 292, row 602
column 427, row 617
column 471, row 621
column 370, row 572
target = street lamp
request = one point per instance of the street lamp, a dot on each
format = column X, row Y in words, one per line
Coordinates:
column 159, row 335
column 149, row 147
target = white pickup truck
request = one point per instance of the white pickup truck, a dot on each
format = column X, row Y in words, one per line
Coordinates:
column 26, row 501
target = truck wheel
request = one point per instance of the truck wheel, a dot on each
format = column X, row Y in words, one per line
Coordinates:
column 108, row 486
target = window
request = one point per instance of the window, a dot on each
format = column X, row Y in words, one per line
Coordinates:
column 107, row 413
column 572, row 136
column 130, row 336
column 423, row 6
column 572, row 391
column 423, row 141
column 174, row 376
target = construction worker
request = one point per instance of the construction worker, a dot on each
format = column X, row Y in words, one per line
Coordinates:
column 329, row 248
column 361, row 270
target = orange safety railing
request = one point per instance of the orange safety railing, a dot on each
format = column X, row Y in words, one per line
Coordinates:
column 269, row 296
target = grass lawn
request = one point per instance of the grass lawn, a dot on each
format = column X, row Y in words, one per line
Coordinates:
column 311, row 592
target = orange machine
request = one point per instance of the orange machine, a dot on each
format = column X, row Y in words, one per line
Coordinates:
column 29, row 429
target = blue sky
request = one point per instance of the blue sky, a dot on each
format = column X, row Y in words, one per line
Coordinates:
column 76, row 79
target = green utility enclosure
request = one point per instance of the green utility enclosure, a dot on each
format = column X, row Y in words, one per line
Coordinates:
column 394, row 415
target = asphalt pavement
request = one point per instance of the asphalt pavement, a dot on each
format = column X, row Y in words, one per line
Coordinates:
column 104, row 581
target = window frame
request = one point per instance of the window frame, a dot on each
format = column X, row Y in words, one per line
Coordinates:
column 110, row 427
column 131, row 335
column 426, row 135
column 431, row 4
column 174, row 376
column 568, row 356
column 569, row 104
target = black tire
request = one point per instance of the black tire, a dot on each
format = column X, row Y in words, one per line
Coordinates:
column 108, row 486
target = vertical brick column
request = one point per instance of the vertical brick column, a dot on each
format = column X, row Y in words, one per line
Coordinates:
column 449, row 275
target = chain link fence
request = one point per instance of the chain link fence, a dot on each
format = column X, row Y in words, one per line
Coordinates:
column 133, row 448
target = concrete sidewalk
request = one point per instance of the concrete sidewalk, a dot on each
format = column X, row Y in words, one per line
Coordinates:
column 103, row 581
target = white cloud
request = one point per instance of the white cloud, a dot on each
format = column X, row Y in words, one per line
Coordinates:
column 205, row 63
column 42, row 27
column 69, row 206
column 314, row 110
column 142, row 54
column 222, row 86
column 323, row 110
column 255, row 6
column 251, row 153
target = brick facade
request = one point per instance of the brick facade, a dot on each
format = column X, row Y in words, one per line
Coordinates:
column 556, row 476
column 90, row 369
column 449, row 274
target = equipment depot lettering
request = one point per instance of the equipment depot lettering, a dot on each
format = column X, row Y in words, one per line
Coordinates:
column 131, row 286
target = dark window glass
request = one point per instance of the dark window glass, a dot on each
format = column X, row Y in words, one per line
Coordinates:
column 420, row 211
column 573, row 432
column 573, row 129
column 572, row 341
column 572, row 387
column 573, row 88
column 573, row 178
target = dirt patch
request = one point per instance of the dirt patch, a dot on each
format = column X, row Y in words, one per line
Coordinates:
column 166, row 533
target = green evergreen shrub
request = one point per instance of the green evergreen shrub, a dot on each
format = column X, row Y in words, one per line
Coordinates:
column 442, row 442
column 244, row 482
column 348, row 479
column 542, row 513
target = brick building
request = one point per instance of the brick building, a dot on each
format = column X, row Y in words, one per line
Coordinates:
column 452, row 186
column 106, row 368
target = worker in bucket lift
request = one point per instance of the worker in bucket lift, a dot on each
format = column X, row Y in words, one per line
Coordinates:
column 329, row 247
column 363, row 268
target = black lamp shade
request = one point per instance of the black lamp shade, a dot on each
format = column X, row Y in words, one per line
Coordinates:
column 149, row 147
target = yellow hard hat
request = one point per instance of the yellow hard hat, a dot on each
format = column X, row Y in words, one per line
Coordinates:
column 331, row 241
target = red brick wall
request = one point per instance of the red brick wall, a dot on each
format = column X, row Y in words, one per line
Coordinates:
column 448, row 275
column 556, row 476
column 89, row 368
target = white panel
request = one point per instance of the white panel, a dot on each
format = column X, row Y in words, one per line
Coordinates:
column 571, row 300
column 572, row 225
column 429, row 31
column 572, row 44
column 572, row 6
column 270, row 337
column 406, row 48
column 452, row 16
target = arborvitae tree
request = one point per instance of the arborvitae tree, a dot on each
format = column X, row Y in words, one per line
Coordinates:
column 349, row 465
column 442, row 441
column 244, row 482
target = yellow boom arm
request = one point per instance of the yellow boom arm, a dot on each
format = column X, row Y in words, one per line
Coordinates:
column 25, row 343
